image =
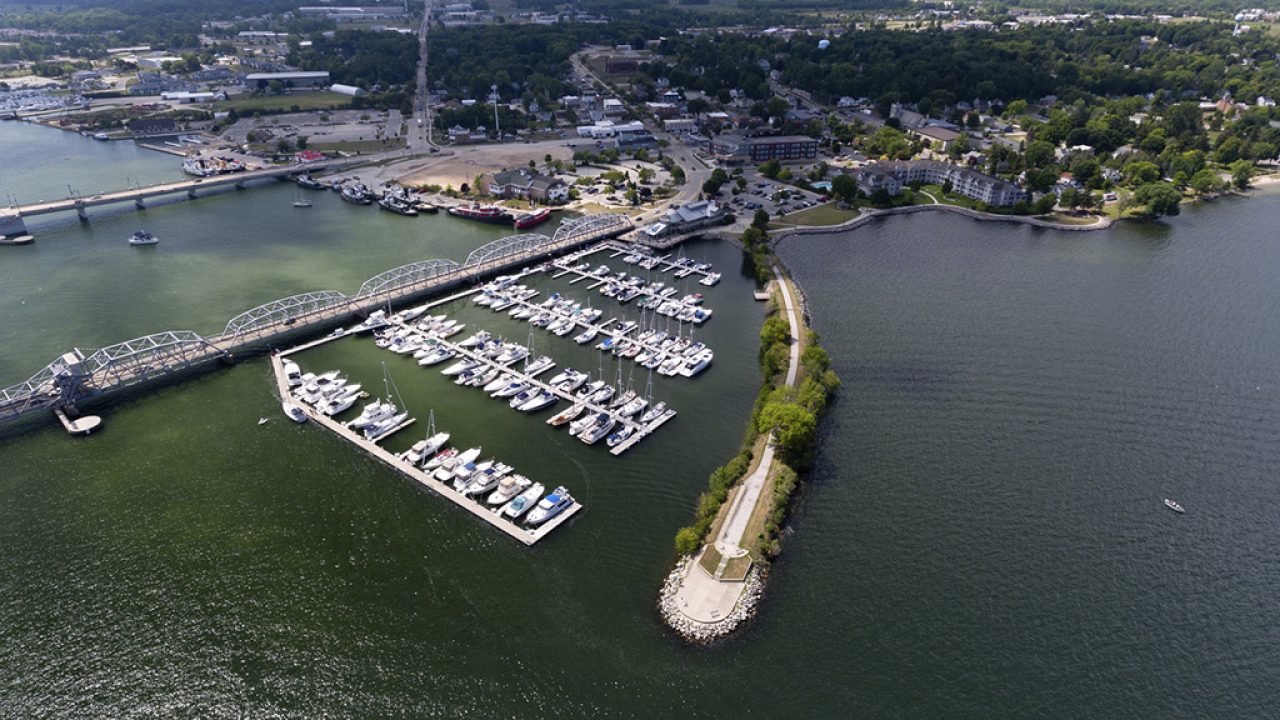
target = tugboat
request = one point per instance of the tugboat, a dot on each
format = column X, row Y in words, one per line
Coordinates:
column 306, row 181
column 532, row 219
column 356, row 192
column 397, row 202
column 142, row 237
column 483, row 213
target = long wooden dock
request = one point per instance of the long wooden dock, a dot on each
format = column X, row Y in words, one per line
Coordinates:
column 523, row 534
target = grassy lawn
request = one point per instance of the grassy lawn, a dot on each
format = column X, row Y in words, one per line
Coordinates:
column 305, row 101
column 358, row 145
column 1066, row 219
column 950, row 198
column 710, row 559
column 825, row 214
column 736, row 569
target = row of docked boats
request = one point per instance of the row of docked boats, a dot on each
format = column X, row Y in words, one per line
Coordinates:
column 500, row 216
column 655, row 296
column 668, row 354
column 495, row 484
column 681, row 266
column 394, row 198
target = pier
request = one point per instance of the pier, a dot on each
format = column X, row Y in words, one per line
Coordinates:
column 513, row 529
column 79, row 377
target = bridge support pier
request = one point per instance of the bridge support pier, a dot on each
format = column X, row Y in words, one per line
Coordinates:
column 239, row 186
column 83, row 214
column 139, row 204
column 191, row 193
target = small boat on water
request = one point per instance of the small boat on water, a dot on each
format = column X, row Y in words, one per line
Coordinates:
column 485, row 213
column 1174, row 506
column 306, row 181
column 142, row 237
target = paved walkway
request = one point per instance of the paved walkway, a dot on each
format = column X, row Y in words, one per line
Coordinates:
column 701, row 597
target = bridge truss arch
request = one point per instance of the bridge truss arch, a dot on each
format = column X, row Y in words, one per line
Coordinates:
column 398, row 277
column 590, row 226
column 137, row 360
column 283, row 310
column 505, row 247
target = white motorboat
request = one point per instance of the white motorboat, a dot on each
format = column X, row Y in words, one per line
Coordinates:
column 384, row 426
column 508, row 487
column 319, row 381
column 586, row 336
column 538, row 402
column 622, row 399
column 602, row 395
column 485, row 480
column 377, row 319
column 436, row 356
column 654, row 413
column 142, row 237
column 495, row 385
column 696, row 364
column 512, row 354
column 292, row 373
column 372, row 413
column 523, row 502
column 483, row 378
column 523, row 397
column 408, row 315
column 550, row 506
column 294, row 412
column 458, row 461
column 538, row 366
column 340, row 402
column 567, row 416
column 463, row 474
column 565, row 329
column 561, row 376
column 513, row 388
column 440, row 459
column 574, row 382
column 710, row 279
column 620, row 437
column 577, row 427
column 425, row 448
column 460, row 367
column 671, row 365
column 1174, row 506
column 590, row 389
column 635, row 405
column 479, row 338
column 593, row 434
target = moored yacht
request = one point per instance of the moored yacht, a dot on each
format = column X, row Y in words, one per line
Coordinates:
column 424, row 448
column 292, row 373
column 508, row 487
column 294, row 412
column 522, row 502
column 550, row 506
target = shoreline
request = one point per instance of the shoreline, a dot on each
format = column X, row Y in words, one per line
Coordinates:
column 1103, row 223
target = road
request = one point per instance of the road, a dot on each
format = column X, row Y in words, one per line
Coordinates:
column 419, row 135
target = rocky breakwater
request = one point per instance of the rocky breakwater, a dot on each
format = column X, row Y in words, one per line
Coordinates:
column 705, row 633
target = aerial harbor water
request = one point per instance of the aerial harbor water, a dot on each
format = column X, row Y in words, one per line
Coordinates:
column 983, row 534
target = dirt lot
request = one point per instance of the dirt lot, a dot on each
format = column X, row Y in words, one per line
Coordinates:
column 457, row 165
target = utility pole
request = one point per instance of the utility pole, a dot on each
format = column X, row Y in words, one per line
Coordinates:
column 497, row 128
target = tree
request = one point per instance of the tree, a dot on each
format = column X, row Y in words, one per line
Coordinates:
column 302, row 142
column 771, row 169
column 844, row 187
column 777, row 107
column 760, row 219
column 1241, row 170
column 1141, row 173
column 1039, row 154
column 793, row 427
column 1204, row 182
column 1159, row 199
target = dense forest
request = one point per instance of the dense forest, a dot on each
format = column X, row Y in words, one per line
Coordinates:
column 529, row 61
column 360, row 57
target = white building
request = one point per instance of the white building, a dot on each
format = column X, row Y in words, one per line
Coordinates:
column 156, row 62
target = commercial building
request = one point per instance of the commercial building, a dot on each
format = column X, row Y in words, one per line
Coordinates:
column 526, row 184
column 318, row 78
column 783, row 148
column 688, row 218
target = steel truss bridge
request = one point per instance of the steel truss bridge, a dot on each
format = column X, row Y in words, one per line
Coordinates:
column 79, row 376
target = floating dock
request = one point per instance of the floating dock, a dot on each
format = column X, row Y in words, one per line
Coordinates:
column 513, row 529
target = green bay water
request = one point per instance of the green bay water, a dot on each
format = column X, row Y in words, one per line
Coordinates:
column 983, row 534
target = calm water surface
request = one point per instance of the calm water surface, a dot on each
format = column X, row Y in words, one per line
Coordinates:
column 983, row 535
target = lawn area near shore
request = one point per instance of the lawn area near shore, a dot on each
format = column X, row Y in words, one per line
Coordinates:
column 303, row 101
column 818, row 215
